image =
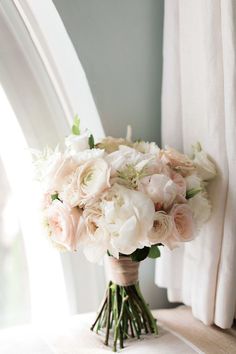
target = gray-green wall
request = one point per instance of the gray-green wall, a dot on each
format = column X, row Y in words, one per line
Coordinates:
column 119, row 43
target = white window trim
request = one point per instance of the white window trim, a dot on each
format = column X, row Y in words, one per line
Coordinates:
column 61, row 61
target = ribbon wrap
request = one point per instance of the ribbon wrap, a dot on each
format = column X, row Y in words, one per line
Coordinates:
column 123, row 271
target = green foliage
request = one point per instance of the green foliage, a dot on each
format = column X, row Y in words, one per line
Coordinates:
column 76, row 126
column 91, row 141
column 192, row 192
column 154, row 252
column 140, row 254
column 54, row 196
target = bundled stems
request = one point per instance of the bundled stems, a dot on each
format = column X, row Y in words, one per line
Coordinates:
column 125, row 313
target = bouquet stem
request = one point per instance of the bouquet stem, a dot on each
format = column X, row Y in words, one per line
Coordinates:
column 125, row 313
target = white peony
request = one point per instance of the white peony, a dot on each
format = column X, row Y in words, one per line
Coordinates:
column 125, row 156
column 77, row 143
column 127, row 218
column 201, row 209
column 160, row 188
column 87, row 182
column 205, row 168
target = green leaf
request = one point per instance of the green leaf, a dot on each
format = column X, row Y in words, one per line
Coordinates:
column 76, row 126
column 54, row 196
column 192, row 192
column 154, row 252
column 91, row 141
column 140, row 254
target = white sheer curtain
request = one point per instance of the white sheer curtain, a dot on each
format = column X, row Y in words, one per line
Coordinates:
column 45, row 85
column 199, row 104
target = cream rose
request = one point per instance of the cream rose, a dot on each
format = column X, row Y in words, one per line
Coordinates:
column 162, row 228
column 183, row 224
column 110, row 144
column 179, row 162
column 87, row 182
column 65, row 225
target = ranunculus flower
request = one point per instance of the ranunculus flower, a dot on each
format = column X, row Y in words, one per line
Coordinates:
column 201, row 209
column 77, row 143
column 87, row 182
column 183, row 224
column 65, row 225
column 162, row 228
column 205, row 168
column 160, row 188
column 179, row 162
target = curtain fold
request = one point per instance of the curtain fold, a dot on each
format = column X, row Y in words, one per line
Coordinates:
column 198, row 104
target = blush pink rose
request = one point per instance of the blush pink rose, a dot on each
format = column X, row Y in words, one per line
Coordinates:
column 183, row 222
column 180, row 183
column 65, row 225
column 178, row 161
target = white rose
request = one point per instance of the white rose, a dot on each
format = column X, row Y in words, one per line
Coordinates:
column 87, row 182
column 193, row 182
column 205, row 168
column 65, row 225
column 201, row 209
column 160, row 188
column 77, row 143
column 162, row 228
column 128, row 217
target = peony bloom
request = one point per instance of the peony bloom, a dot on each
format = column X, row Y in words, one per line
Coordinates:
column 179, row 162
column 206, row 170
column 77, row 143
column 123, row 157
column 87, row 182
column 65, row 225
column 127, row 218
column 183, row 224
column 201, row 209
column 160, row 188
column 162, row 228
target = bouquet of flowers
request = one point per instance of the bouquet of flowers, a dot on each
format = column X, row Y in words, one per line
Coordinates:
column 123, row 199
